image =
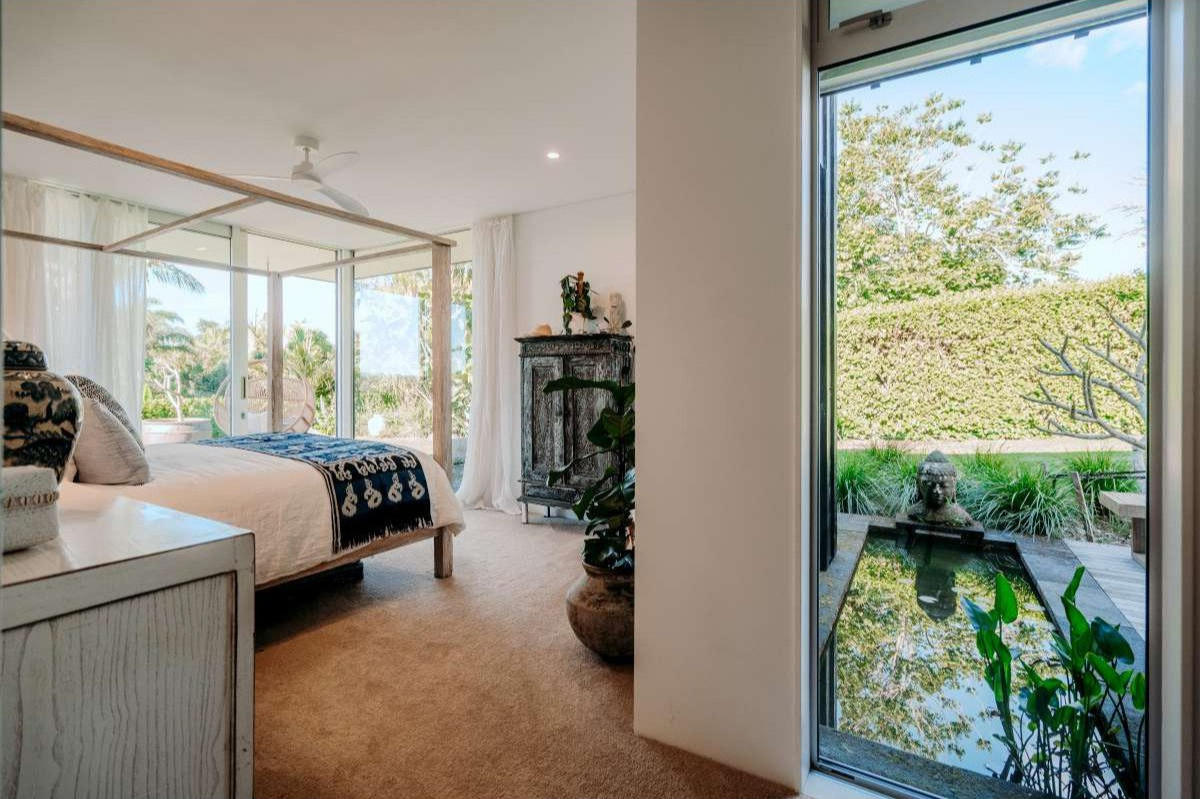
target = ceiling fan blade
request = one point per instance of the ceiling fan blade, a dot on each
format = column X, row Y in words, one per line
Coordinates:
column 344, row 200
column 285, row 178
column 332, row 163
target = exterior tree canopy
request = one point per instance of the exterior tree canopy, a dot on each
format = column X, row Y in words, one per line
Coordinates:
column 906, row 229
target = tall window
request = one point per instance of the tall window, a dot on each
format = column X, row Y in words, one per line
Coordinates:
column 393, row 353
column 985, row 312
column 309, row 332
column 187, row 339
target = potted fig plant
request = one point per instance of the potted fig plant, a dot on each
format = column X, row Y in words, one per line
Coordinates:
column 577, row 305
column 600, row 603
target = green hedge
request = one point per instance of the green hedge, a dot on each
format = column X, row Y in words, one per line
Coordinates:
column 955, row 367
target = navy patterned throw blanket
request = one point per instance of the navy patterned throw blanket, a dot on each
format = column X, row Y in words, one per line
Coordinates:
column 375, row 489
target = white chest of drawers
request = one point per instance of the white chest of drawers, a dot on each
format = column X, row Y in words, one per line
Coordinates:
column 127, row 666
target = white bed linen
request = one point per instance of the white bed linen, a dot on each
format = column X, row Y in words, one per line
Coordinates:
column 284, row 502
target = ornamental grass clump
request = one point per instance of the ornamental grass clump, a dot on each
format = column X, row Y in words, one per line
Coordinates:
column 897, row 480
column 1100, row 470
column 857, row 483
column 1022, row 499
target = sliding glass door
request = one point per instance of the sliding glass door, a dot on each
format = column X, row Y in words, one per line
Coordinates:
column 393, row 353
column 981, row 572
column 309, row 336
column 187, row 340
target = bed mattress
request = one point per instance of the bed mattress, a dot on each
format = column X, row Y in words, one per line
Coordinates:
column 284, row 502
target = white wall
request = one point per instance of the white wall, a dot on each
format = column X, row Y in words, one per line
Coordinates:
column 718, row 551
column 593, row 236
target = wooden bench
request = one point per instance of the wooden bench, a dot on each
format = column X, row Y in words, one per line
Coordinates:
column 1130, row 505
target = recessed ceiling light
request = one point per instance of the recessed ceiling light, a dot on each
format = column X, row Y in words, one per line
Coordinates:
column 553, row 155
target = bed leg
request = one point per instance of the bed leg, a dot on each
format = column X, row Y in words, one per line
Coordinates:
column 443, row 554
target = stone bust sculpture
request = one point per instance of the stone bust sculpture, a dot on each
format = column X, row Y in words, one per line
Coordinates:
column 937, row 486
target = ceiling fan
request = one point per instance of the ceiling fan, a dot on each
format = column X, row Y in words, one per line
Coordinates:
column 310, row 176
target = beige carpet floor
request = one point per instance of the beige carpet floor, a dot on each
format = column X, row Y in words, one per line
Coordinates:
column 406, row 686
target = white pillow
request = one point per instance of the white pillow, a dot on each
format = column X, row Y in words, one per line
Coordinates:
column 106, row 453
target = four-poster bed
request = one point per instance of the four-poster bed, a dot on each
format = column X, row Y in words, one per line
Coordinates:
column 240, row 483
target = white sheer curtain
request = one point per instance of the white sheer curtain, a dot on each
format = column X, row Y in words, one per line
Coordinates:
column 86, row 310
column 490, row 472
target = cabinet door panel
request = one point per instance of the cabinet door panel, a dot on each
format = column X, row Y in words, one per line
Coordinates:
column 542, row 447
column 132, row 698
column 583, row 410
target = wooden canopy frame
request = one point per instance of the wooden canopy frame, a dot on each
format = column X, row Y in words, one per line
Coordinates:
column 254, row 195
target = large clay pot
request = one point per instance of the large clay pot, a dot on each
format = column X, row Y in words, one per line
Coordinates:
column 42, row 411
column 600, row 609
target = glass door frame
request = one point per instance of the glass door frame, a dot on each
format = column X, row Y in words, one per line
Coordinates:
column 906, row 25
column 817, row 318
column 239, row 356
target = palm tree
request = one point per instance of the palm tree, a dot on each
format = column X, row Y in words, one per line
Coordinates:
column 168, row 346
column 169, row 274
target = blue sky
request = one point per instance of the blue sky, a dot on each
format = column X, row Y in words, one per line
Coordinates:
column 1059, row 96
column 388, row 324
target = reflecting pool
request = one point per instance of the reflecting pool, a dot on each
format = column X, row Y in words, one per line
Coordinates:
column 906, row 670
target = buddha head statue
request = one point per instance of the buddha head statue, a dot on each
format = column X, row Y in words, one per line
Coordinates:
column 937, row 482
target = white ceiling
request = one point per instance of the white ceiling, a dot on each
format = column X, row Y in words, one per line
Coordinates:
column 452, row 104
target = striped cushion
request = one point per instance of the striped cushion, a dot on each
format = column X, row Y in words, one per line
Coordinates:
column 106, row 452
column 92, row 390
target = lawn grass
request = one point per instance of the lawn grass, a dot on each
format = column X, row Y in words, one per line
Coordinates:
column 1055, row 461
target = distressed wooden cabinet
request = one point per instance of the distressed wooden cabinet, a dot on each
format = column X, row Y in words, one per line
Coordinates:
column 554, row 427
column 128, row 657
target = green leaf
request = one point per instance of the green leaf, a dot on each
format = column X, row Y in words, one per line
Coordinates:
column 1107, row 673
column 583, row 506
column 618, row 425
column 599, row 436
column 607, row 553
column 1137, row 691
column 1081, row 631
column 985, row 642
column 1073, row 586
column 1109, row 641
column 1006, row 600
column 1062, row 648
column 623, row 395
column 1000, row 679
column 980, row 618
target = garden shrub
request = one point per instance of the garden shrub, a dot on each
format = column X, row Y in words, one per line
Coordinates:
column 1100, row 462
column 1022, row 499
column 856, row 484
column 956, row 366
column 896, row 477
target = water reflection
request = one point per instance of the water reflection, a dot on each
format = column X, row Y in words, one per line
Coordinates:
column 901, row 667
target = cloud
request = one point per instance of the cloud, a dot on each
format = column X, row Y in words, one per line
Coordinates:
column 1125, row 36
column 1135, row 89
column 1066, row 52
